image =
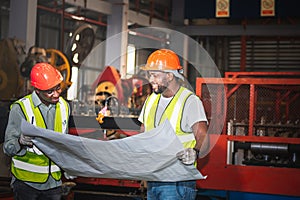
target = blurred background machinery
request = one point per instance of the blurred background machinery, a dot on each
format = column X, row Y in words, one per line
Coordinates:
column 12, row 54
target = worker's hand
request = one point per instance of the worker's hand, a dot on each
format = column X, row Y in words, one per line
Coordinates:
column 187, row 156
column 68, row 176
column 25, row 140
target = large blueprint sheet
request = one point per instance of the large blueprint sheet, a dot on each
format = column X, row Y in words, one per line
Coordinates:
column 149, row 156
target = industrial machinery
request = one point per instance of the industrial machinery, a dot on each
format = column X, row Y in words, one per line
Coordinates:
column 257, row 155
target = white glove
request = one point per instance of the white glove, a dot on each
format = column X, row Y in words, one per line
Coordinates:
column 25, row 140
column 69, row 177
column 188, row 156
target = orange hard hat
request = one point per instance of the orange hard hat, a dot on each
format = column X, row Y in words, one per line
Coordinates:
column 44, row 76
column 162, row 59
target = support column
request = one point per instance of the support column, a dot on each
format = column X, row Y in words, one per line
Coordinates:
column 117, row 37
column 22, row 21
column 181, row 43
column 177, row 12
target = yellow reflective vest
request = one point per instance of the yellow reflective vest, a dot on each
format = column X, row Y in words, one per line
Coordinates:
column 34, row 166
column 173, row 112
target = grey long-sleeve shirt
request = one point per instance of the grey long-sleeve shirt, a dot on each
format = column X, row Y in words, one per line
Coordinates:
column 13, row 130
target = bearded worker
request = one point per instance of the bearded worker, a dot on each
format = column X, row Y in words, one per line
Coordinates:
column 170, row 100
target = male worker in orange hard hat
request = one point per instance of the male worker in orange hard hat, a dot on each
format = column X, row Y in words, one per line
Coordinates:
column 170, row 100
column 34, row 175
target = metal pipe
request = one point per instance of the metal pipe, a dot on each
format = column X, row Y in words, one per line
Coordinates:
column 70, row 16
column 268, row 148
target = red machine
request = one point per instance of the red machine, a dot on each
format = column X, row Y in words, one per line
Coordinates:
column 258, row 151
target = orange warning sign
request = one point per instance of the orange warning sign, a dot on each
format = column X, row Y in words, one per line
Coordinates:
column 222, row 8
column 267, row 8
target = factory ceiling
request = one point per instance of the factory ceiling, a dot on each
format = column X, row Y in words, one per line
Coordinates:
column 197, row 15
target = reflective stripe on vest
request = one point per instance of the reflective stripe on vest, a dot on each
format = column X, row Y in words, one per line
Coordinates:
column 34, row 168
column 173, row 112
column 34, row 161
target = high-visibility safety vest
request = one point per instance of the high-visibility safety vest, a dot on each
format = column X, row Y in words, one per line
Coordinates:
column 173, row 113
column 34, row 166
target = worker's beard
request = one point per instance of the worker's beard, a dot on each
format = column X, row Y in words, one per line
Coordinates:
column 159, row 89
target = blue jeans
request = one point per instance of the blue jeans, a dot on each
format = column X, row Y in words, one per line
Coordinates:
column 184, row 190
column 25, row 192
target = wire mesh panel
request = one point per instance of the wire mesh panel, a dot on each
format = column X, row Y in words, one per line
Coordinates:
column 276, row 111
column 258, row 107
column 215, row 106
column 238, row 104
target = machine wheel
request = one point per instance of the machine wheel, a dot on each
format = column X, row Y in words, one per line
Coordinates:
column 60, row 62
column 80, row 44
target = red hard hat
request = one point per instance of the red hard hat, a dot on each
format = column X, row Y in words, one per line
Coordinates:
column 162, row 59
column 44, row 76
